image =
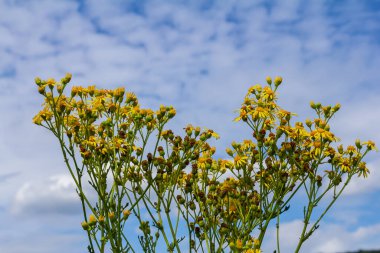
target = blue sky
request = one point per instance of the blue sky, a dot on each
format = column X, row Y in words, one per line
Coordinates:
column 200, row 57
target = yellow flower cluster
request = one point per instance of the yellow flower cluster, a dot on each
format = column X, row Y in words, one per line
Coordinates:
column 249, row 246
column 222, row 200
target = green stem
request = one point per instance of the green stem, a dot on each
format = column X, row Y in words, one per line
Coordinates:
column 315, row 225
column 307, row 216
column 278, row 233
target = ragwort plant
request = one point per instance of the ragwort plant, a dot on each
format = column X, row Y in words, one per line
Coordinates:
column 172, row 185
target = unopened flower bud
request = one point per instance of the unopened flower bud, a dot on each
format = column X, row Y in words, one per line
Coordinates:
column 111, row 215
column 189, row 131
column 84, row 225
column 269, row 80
column 337, row 180
column 59, row 89
column 277, row 80
column 336, row 107
column 74, row 92
column 101, row 219
column 37, row 80
column 358, row 144
column 41, row 90
column 229, row 152
column 319, row 181
column 126, row 213
column 172, row 113
column 92, row 220
column 340, row 149
column 308, row 122
column 192, row 206
column 326, row 110
column 66, row 79
column 180, row 199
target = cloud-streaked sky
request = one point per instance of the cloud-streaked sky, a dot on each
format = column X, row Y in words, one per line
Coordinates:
column 200, row 57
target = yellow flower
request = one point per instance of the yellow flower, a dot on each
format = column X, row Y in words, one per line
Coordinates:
column 215, row 135
column 91, row 90
column 321, row 133
column 240, row 160
column 104, row 151
column 242, row 116
column 363, row 169
column 268, row 94
column 91, row 142
column 344, row 164
column 136, row 111
column 239, row 244
column 37, row 119
column 111, row 215
column 119, row 92
column 51, row 82
column 228, row 185
column 202, row 162
column 101, row 219
column 232, row 207
column 284, row 114
column 298, row 131
column 125, row 111
column 131, row 98
column 260, row 113
column 117, row 144
column 370, row 145
column 98, row 104
column 329, row 151
column 224, row 164
column 77, row 90
column 247, row 144
column 317, row 148
column 253, row 89
column 253, row 251
column 92, row 219
column 351, row 150
column 44, row 115
column 126, row 213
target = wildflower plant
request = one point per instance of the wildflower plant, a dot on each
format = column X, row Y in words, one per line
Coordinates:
column 179, row 194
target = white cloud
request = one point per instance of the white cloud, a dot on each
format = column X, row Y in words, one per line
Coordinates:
column 55, row 195
column 328, row 238
column 201, row 60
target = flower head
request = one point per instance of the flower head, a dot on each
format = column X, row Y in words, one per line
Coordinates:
column 370, row 145
column 240, row 160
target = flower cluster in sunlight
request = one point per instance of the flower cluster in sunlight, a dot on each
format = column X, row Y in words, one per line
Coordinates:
column 173, row 185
